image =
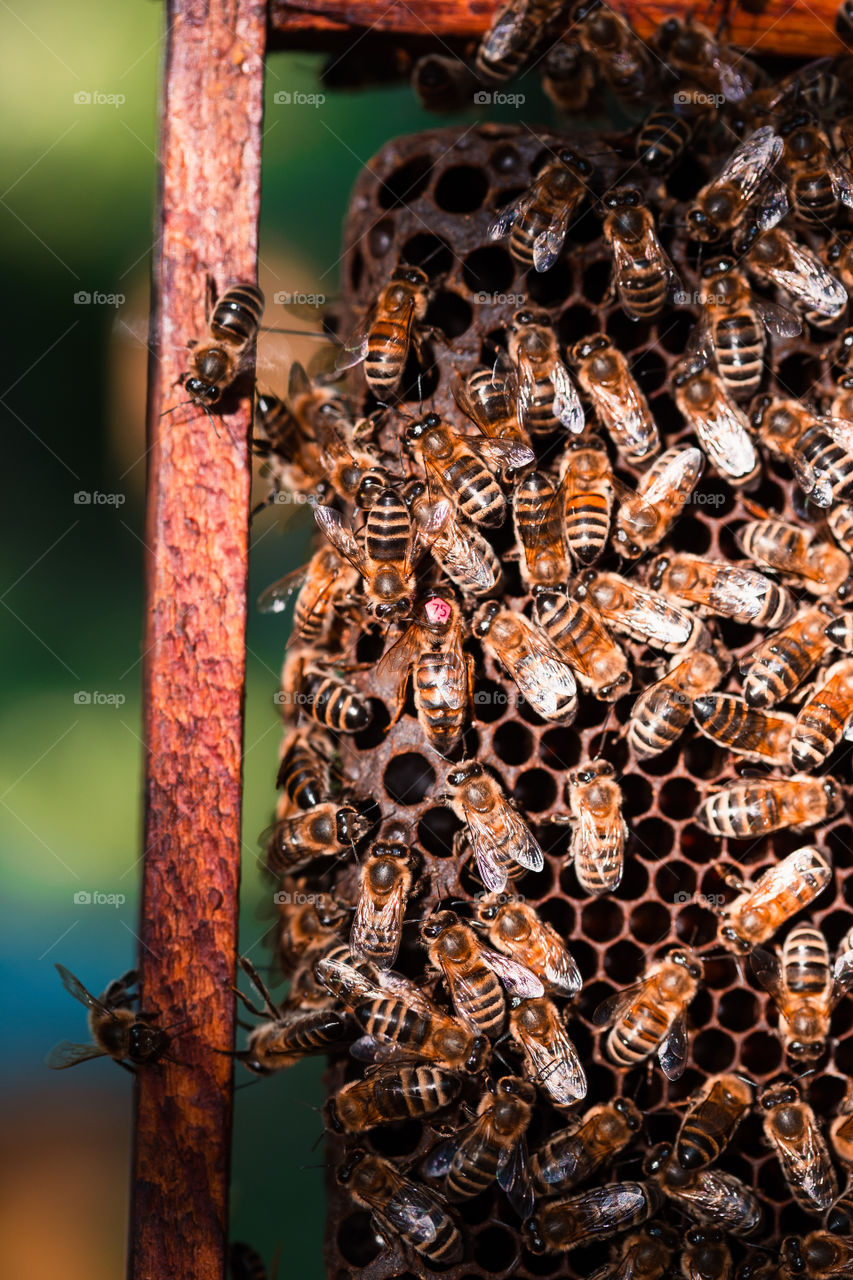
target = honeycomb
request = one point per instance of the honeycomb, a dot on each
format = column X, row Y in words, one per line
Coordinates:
column 428, row 200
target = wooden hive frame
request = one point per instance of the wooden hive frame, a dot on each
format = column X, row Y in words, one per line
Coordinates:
column 198, row 503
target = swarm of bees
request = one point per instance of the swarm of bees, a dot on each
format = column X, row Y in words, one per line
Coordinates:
column 575, row 644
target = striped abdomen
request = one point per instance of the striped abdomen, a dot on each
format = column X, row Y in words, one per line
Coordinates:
column 387, row 349
column 643, row 288
column 467, row 559
column 662, row 138
column 400, row 1093
column 658, row 719
column 587, row 522
column 468, row 1176
column 784, row 661
column 432, row 1232
column 825, row 459
column 739, row 345
column 303, row 1034
column 237, row 315
column 302, row 774
column 822, row 721
column 501, row 64
column 638, row 1032
column 586, row 645
column 539, row 528
column 746, row 809
column 388, row 532
column 708, row 1127
column 334, row 704
column 733, row 723
column 477, row 491
column 441, row 697
column 480, row 999
column 805, row 962
column 813, row 196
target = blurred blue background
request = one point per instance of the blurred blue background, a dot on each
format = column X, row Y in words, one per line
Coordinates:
column 78, row 180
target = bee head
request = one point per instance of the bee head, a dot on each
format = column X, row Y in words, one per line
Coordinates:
column 476, row 1059
column 484, row 618
column 702, row 226
column 464, row 773
column 354, row 1158
column 588, row 346
column 437, row 923
column 203, row 392
column 627, row 1109
column 146, row 1043
column 574, row 160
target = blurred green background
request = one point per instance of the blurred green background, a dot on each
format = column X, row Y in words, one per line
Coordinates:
column 78, row 182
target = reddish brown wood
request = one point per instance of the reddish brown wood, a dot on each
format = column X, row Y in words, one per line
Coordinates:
column 801, row 29
column 194, row 646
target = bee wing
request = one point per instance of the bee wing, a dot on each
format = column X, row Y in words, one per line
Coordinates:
column 492, row 874
column 350, row 985
column 559, row 966
column 513, row 1178
column 626, row 410
column 607, row 847
column 521, row 845
column 672, row 1052
column 371, row 927
column 771, row 207
column 557, row 1067
column 502, row 36
column 614, row 1006
column 750, row 162
column 567, row 405
column 807, row 279
column 343, row 540
column 517, row 978
column 465, row 559
column 842, row 970
column 355, row 350
column 733, row 83
column 437, row 1163
column 275, row 598
column 410, row 1214
column 778, row 320
column 506, row 218
column 397, row 662
column 545, row 677
column 784, row 877
column 505, row 453
column 549, row 243
column 66, row 1054
column 768, row 971
column 524, row 383
column 372, row 1050
column 841, row 430
column 75, row 988
column 842, row 184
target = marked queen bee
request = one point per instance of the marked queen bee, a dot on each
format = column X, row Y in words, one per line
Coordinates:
column 650, row 1016
column 118, row 1031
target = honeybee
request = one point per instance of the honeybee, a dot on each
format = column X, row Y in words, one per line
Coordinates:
column 744, row 595
column 576, row 1152
column 841, row 1130
column 492, row 1149
column 708, row 1195
column 394, row 320
column 118, row 1031
column 442, row 83
column 763, row 907
column 402, row 1024
column 385, row 881
column 486, row 396
column 515, row 928
column 633, row 611
column 216, row 361
column 538, row 523
column 325, row 831
column 622, row 59
column 691, row 51
column 622, row 409
column 645, row 518
column 732, row 324
column 538, row 220
column 775, row 258
column 398, row 1091
column 289, row 447
column 290, row 1033
column 792, row 551
column 825, row 718
column 596, row 1214
column 599, row 832
column 549, row 1055
column 720, row 425
column 818, row 450
column 527, row 655
column 839, row 1218
column 515, row 30
column 650, row 1016
column 643, row 275
column 840, row 521
column 578, row 633
column 818, row 184
column 781, row 662
column 569, row 76
column 820, row 1256
column 741, row 188
column 473, row 973
column 402, row 1208
column 662, row 712
column 714, row 1113
column 805, row 989
column 706, row 1255
column 839, row 631
column 443, row 674
column 326, row 582
column 387, row 559
column 457, row 466
column 763, row 736
column 546, row 397
column 307, row 928
column 498, row 836
column 837, row 254
column 791, row 1129
column 462, row 552
column 743, row 810
column 304, row 770
column 667, row 131
column 325, row 698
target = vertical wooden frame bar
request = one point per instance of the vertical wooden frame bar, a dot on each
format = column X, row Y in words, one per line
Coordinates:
column 194, row 644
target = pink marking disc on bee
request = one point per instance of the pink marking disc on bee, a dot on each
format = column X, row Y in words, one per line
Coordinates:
column 437, row 610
